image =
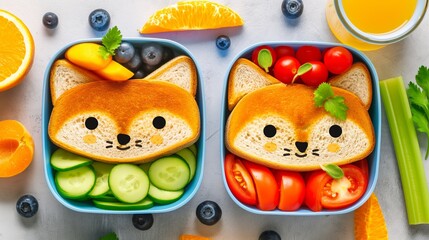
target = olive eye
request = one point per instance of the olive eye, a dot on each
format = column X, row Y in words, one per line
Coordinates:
column 335, row 131
column 270, row 131
column 91, row 123
column 158, row 122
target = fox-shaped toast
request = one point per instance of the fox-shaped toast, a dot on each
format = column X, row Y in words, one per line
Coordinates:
column 134, row 121
column 279, row 126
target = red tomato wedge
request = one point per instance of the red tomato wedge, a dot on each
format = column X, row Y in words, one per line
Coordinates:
column 239, row 180
column 266, row 186
column 291, row 188
column 363, row 165
column 322, row 191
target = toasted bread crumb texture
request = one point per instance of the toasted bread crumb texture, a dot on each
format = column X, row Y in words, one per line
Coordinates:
column 65, row 75
column 356, row 80
column 180, row 71
column 126, row 113
column 244, row 78
column 305, row 136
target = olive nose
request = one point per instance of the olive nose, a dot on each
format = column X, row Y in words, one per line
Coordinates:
column 123, row 139
column 302, row 146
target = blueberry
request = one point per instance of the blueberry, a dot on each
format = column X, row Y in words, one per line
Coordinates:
column 269, row 235
column 50, row 20
column 139, row 74
column 124, row 52
column 27, row 206
column 143, row 221
column 134, row 64
column 152, row 54
column 209, row 212
column 99, row 19
column 223, row 42
column 292, row 8
column 167, row 55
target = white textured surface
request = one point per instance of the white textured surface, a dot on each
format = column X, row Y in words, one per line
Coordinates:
column 263, row 22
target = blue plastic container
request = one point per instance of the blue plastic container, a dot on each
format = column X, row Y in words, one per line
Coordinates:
column 49, row 147
column 374, row 111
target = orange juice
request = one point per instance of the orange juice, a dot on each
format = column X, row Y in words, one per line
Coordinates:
column 372, row 24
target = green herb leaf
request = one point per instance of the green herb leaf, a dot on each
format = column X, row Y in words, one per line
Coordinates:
column 110, row 236
column 422, row 79
column 111, row 41
column 336, row 107
column 265, row 60
column 416, row 96
column 302, row 70
column 333, row 170
column 322, row 93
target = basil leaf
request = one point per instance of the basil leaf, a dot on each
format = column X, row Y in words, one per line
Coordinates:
column 333, row 170
column 265, row 60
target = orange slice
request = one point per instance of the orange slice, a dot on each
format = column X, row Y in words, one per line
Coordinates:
column 192, row 15
column 16, row 50
column 369, row 221
column 192, row 237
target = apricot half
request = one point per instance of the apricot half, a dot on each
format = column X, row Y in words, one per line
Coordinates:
column 16, row 148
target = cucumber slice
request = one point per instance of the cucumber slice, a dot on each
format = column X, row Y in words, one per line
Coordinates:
column 190, row 159
column 194, row 149
column 75, row 183
column 143, row 204
column 128, row 183
column 102, row 171
column 106, row 198
column 62, row 160
column 163, row 196
column 169, row 173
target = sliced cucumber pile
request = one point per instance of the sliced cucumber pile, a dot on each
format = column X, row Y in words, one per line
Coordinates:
column 124, row 186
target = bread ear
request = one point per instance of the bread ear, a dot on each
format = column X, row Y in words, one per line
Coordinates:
column 180, row 71
column 246, row 77
column 356, row 80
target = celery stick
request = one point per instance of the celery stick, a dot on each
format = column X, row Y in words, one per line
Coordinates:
column 407, row 150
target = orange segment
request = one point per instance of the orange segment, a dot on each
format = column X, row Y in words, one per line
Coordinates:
column 16, row 50
column 192, row 237
column 16, row 148
column 192, row 15
column 369, row 221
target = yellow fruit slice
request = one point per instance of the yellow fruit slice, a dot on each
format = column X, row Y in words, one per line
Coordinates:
column 16, row 50
column 87, row 55
column 192, row 15
column 192, row 237
column 369, row 221
column 115, row 71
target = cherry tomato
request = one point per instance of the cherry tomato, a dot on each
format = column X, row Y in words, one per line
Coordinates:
column 239, row 180
column 308, row 53
column 266, row 186
column 317, row 75
column 286, row 68
column 338, row 60
column 322, row 191
column 255, row 54
column 282, row 51
column 292, row 190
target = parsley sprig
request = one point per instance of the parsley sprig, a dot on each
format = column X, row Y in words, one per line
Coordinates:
column 419, row 102
column 324, row 97
column 111, row 41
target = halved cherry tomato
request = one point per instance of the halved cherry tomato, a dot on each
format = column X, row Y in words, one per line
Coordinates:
column 292, row 189
column 363, row 165
column 266, row 186
column 338, row 60
column 239, row 180
column 322, row 191
column 308, row 53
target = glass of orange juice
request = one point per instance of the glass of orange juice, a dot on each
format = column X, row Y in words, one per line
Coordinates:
column 371, row 24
